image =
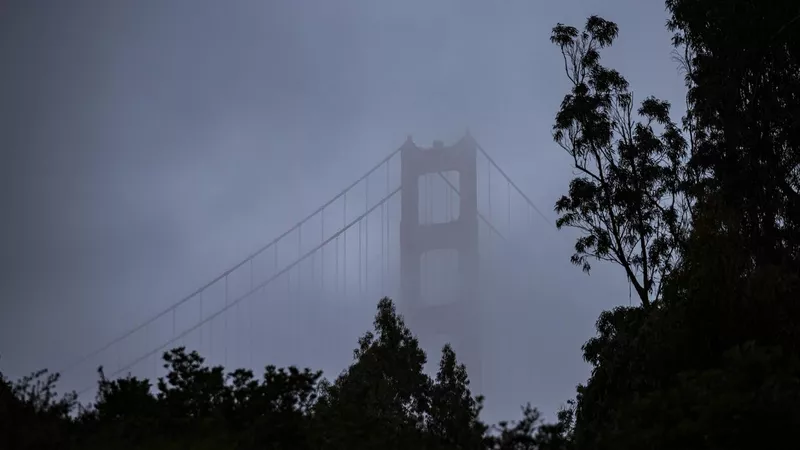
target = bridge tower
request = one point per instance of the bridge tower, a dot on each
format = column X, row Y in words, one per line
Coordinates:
column 458, row 320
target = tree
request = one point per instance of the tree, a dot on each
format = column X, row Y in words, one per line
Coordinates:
column 744, row 90
column 627, row 198
column 743, row 78
column 530, row 433
column 201, row 407
column 455, row 414
column 715, row 363
column 381, row 400
column 190, row 390
column 125, row 411
column 385, row 399
column 747, row 401
column 275, row 413
column 33, row 415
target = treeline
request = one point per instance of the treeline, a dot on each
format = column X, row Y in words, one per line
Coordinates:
column 701, row 215
column 383, row 400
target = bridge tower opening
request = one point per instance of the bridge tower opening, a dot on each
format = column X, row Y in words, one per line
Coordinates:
column 457, row 319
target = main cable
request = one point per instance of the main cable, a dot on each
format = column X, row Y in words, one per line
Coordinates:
column 224, row 274
column 247, row 294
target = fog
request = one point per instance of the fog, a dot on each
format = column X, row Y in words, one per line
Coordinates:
column 149, row 146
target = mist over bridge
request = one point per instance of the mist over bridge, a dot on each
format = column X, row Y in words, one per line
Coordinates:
column 424, row 226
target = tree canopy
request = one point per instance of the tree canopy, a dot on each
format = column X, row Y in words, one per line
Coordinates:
column 383, row 400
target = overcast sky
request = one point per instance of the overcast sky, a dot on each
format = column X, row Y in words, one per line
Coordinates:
column 148, row 145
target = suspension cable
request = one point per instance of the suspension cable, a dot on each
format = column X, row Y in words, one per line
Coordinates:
column 247, row 294
column 253, row 255
column 514, row 185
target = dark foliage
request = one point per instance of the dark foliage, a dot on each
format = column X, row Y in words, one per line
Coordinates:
column 712, row 363
column 627, row 197
column 383, row 400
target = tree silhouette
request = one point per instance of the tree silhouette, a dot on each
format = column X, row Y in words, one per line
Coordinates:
column 454, row 414
column 32, row 414
column 383, row 400
column 627, row 199
column 713, row 362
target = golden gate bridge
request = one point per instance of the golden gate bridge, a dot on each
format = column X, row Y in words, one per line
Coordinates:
column 421, row 226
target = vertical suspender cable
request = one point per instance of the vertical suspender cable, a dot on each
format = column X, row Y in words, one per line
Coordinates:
column 288, row 297
column 211, row 338
column 383, row 284
column 299, row 253
column 508, row 185
column 336, row 271
column 344, row 246
column 429, row 198
column 225, row 332
column 275, row 267
column 489, row 187
column 155, row 357
column 237, row 333
column 388, row 231
column 275, row 259
column 366, row 238
column 289, row 284
column 529, row 229
column 250, row 304
column 313, row 268
column 528, row 217
column 447, row 190
column 201, row 319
